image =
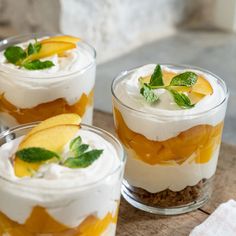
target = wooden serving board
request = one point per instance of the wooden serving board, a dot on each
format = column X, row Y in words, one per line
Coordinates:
column 138, row 223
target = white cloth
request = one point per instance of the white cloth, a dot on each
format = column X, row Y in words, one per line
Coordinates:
column 222, row 222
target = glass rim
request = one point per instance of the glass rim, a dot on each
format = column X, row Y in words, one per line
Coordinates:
column 122, row 157
column 6, row 41
column 154, row 115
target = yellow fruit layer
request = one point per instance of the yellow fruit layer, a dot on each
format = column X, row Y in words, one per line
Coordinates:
column 201, row 140
column 46, row 110
column 40, row 222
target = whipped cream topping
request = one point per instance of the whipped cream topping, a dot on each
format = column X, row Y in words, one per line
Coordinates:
column 72, row 60
column 69, row 195
column 166, row 119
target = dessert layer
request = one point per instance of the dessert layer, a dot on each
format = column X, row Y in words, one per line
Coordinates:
column 172, row 177
column 68, row 195
column 165, row 117
column 169, row 198
column 40, row 222
column 200, row 141
column 46, row 110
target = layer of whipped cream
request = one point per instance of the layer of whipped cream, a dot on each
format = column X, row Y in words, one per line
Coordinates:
column 72, row 75
column 165, row 119
column 173, row 177
column 68, row 195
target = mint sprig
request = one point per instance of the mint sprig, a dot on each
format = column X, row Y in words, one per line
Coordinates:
column 37, row 65
column 148, row 93
column 181, row 99
column 156, row 77
column 84, row 160
column 36, row 154
column 81, row 157
column 34, row 48
column 15, row 54
column 186, row 79
column 20, row 57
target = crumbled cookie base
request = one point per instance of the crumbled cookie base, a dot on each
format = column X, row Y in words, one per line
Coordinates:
column 169, row 198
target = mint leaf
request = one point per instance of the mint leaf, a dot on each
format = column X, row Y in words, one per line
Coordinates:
column 187, row 79
column 81, row 149
column 148, row 94
column 33, row 48
column 75, row 143
column 38, row 65
column 84, row 160
column 181, row 99
column 156, row 78
column 36, row 154
column 14, row 54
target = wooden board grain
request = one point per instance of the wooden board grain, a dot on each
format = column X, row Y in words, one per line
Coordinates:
column 138, row 223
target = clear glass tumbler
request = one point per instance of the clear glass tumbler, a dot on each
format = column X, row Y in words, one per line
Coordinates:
column 86, row 210
column 169, row 175
column 29, row 96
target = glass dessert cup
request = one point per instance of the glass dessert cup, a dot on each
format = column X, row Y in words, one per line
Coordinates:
column 171, row 175
column 28, row 97
column 88, row 209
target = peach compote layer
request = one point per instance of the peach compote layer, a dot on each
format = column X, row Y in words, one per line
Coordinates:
column 201, row 140
column 40, row 222
column 46, row 110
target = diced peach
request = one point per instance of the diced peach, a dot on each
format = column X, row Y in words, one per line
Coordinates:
column 52, row 48
column 62, row 38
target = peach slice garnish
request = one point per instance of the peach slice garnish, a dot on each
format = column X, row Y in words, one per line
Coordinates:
column 51, row 48
column 62, row 38
column 52, row 138
column 202, row 86
column 63, row 119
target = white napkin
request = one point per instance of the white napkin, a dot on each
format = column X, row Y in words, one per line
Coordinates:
column 222, row 222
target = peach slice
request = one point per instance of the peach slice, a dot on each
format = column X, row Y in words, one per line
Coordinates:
column 52, row 138
column 51, row 48
column 63, row 119
column 195, row 97
column 202, row 86
column 62, row 38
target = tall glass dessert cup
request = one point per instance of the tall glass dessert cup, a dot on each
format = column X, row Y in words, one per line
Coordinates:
column 55, row 197
column 172, row 142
